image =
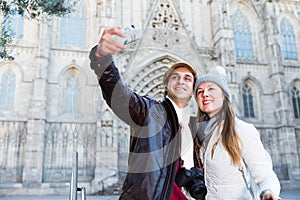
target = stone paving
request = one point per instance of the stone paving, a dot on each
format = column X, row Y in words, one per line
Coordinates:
column 285, row 195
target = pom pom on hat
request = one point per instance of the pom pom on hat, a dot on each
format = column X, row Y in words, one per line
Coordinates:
column 215, row 75
column 218, row 70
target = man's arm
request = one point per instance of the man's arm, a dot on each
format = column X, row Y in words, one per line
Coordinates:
column 129, row 106
column 99, row 64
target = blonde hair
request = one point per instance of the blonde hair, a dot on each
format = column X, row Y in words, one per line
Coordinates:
column 230, row 138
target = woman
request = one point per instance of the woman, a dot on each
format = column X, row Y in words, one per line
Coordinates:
column 228, row 144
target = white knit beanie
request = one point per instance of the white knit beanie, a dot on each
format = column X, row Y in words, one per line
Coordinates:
column 216, row 75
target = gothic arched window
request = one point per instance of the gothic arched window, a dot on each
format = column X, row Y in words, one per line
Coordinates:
column 248, row 101
column 295, row 93
column 288, row 40
column 14, row 25
column 73, row 27
column 71, row 95
column 242, row 36
column 7, row 90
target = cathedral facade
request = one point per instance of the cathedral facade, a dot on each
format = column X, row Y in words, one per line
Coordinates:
column 51, row 105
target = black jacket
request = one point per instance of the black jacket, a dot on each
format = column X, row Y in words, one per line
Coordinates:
column 154, row 138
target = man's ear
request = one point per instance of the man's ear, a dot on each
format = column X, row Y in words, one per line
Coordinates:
column 166, row 91
column 166, row 88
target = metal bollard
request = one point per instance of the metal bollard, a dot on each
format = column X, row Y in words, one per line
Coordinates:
column 82, row 192
column 74, row 179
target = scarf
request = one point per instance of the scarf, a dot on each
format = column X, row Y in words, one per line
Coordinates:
column 205, row 130
column 186, row 146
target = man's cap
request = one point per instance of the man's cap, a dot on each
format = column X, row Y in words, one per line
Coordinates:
column 179, row 65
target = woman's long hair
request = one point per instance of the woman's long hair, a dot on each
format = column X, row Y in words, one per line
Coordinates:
column 230, row 138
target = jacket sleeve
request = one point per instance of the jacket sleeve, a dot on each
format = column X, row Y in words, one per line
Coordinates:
column 127, row 105
column 258, row 159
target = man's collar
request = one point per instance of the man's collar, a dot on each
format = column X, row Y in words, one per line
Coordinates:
column 174, row 104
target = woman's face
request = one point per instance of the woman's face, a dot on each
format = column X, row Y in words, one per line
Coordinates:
column 210, row 98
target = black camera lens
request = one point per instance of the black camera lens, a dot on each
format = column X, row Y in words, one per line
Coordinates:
column 198, row 192
column 193, row 181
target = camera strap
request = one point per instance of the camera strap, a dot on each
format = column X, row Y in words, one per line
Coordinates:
column 252, row 187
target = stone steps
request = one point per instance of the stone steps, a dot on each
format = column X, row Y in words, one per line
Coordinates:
column 114, row 189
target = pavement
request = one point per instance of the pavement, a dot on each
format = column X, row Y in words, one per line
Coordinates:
column 285, row 195
column 290, row 194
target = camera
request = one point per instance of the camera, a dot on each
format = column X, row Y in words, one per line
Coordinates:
column 193, row 181
column 132, row 34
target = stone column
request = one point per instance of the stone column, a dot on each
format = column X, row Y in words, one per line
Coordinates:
column 223, row 41
column 222, row 32
column 106, row 169
column 34, row 147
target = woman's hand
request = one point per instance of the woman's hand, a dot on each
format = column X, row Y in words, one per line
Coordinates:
column 268, row 195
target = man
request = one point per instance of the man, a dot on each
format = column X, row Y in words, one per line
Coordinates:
column 156, row 145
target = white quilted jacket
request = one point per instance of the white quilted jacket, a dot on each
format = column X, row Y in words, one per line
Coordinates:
column 224, row 181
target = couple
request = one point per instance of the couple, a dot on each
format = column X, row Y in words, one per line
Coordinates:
column 163, row 138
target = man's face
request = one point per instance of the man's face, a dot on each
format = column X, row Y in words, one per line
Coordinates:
column 180, row 86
